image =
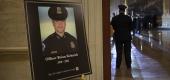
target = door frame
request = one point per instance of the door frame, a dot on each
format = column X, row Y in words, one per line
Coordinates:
column 106, row 40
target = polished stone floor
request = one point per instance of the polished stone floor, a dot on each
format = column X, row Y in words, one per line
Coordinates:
column 150, row 57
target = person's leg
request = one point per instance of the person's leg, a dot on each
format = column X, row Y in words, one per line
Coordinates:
column 119, row 46
column 127, row 51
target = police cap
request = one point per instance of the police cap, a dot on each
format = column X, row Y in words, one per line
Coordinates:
column 57, row 13
column 122, row 7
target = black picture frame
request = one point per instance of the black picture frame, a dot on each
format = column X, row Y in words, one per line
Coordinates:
column 70, row 65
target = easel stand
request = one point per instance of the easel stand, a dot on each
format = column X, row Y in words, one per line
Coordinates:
column 82, row 77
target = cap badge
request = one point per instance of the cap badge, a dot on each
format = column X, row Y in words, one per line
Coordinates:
column 59, row 10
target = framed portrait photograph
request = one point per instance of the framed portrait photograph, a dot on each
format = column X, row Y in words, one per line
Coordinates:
column 57, row 41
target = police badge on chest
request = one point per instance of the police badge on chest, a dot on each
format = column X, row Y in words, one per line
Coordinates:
column 72, row 45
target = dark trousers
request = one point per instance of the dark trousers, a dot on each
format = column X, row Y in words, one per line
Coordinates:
column 126, row 46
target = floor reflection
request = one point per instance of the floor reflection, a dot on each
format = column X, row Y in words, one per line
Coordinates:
column 150, row 59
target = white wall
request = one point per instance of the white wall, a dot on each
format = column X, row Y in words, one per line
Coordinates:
column 93, row 22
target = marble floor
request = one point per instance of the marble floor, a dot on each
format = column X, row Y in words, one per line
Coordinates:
column 150, row 58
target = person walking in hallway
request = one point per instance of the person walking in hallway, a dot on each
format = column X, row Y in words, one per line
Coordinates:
column 122, row 26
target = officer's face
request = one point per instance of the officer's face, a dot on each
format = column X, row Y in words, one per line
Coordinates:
column 59, row 26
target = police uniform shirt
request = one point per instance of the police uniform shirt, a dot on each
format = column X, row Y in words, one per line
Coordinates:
column 122, row 24
column 54, row 44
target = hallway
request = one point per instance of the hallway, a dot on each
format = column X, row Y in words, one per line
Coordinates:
column 150, row 57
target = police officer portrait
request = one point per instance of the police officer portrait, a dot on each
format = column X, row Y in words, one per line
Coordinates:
column 59, row 41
